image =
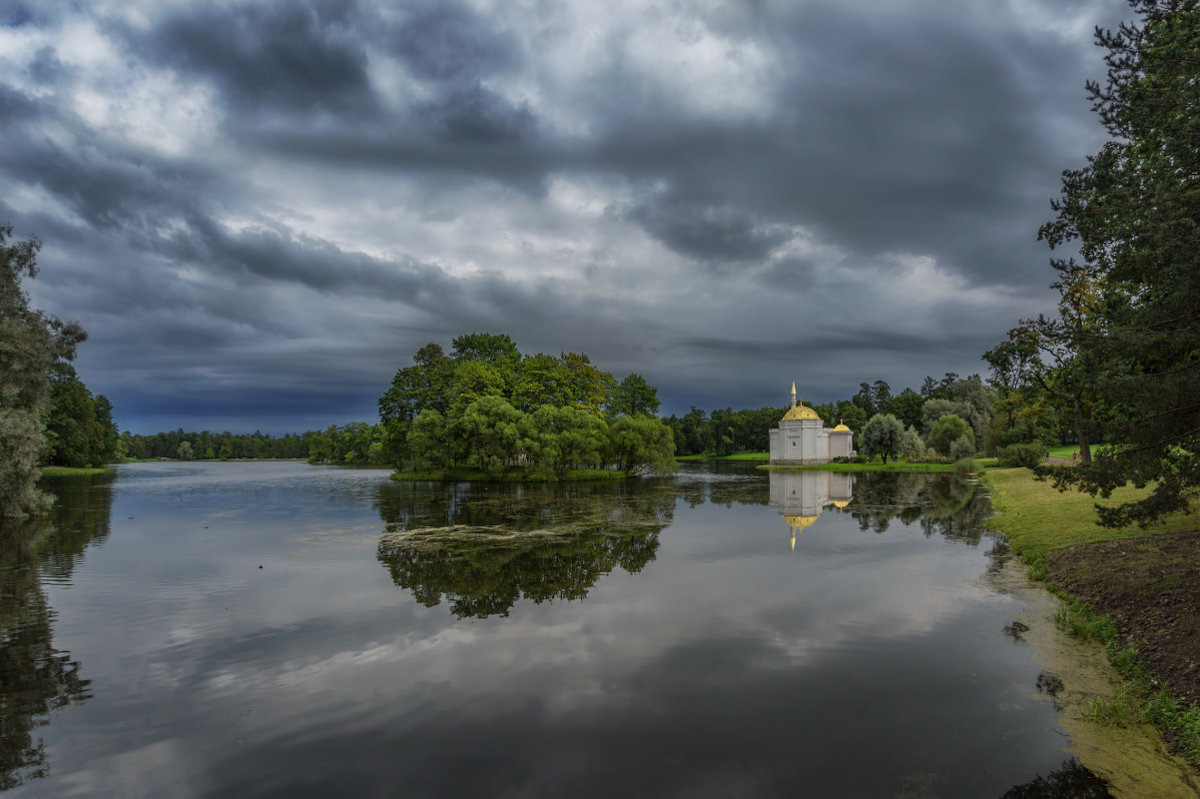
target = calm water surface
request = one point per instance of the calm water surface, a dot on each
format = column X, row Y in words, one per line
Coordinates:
column 279, row 629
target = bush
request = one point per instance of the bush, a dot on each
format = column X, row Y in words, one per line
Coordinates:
column 1027, row 455
column 946, row 432
column 962, row 447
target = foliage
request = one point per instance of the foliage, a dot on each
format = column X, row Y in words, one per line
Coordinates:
column 1027, row 455
column 963, row 446
column 1042, row 360
column 946, row 431
column 640, row 444
column 357, row 444
column 31, row 344
column 882, row 436
column 911, row 446
column 79, row 428
column 487, row 408
column 907, row 407
column 1134, row 213
column 633, row 396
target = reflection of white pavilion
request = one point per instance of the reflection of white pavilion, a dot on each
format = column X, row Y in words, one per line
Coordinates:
column 802, row 495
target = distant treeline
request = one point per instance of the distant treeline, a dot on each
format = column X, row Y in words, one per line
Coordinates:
column 355, row 444
column 726, row 431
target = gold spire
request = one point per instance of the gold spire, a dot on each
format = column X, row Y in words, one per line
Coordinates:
column 793, row 393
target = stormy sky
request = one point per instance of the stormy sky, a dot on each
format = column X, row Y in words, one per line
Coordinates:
column 260, row 210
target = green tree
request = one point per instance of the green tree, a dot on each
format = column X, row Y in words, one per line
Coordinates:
column 490, row 348
column 472, row 381
column 1050, row 353
column 74, row 437
column 641, row 444
column 559, row 439
column 882, row 436
column 633, row 396
column 540, row 380
column 30, row 344
column 489, row 434
column 865, row 399
column 946, row 431
column 427, row 442
column 911, row 446
column 1134, row 213
column 907, row 406
column 938, row 407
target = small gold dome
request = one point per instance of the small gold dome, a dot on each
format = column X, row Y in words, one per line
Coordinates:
column 841, row 503
column 798, row 413
column 841, row 428
column 799, row 522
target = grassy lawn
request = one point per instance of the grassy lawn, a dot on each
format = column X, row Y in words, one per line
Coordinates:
column 513, row 476
column 739, row 456
column 1133, row 589
column 871, row 466
column 67, row 471
column 1036, row 517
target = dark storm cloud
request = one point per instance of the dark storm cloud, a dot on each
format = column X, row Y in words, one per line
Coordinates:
column 290, row 55
column 861, row 139
column 476, row 116
column 273, row 256
column 445, row 41
column 708, row 233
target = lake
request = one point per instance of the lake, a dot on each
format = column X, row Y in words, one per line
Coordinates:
column 281, row 629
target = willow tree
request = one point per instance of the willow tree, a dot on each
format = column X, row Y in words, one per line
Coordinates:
column 30, row 344
column 1134, row 213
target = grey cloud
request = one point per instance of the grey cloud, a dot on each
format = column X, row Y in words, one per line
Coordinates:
column 478, row 116
column 445, row 41
column 881, row 133
column 708, row 233
column 298, row 56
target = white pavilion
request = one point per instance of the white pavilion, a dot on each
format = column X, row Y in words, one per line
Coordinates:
column 802, row 438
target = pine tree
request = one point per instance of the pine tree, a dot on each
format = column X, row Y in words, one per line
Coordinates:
column 1134, row 212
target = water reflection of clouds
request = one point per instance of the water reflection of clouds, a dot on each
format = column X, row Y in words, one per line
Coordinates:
column 323, row 678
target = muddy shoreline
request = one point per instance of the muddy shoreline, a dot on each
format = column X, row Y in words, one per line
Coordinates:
column 1148, row 588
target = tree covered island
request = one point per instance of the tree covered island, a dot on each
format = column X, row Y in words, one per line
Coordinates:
column 487, row 411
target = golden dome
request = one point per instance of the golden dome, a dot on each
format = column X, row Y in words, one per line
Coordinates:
column 799, row 522
column 841, row 428
column 800, row 412
column 841, row 503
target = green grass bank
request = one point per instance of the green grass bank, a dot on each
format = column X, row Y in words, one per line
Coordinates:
column 737, row 456
column 514, row 476
column 870, row 466
column 1135, row 591
column 72, row 471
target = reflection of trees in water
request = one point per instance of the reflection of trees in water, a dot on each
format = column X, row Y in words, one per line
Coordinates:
column 1070, row 781
column 944, row 504
column 36, row 678
column 721, row 483
column 483, row 548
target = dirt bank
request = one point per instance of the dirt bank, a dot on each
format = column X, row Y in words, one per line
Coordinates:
column 1149, row 587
